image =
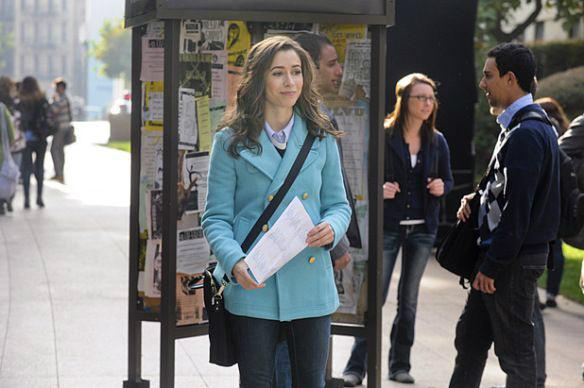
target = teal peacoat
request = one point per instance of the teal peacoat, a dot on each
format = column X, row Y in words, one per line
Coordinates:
column 239, row 189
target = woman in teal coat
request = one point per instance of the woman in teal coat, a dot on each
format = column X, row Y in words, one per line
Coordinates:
column 276, row 107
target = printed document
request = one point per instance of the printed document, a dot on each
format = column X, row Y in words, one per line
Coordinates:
column 285, row 239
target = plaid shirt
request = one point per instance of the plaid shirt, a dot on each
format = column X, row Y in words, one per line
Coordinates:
column 62, row 109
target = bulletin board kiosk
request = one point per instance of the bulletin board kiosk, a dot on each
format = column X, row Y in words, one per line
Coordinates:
column 187, row 59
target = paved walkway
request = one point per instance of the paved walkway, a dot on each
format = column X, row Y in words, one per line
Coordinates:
column 63, row 296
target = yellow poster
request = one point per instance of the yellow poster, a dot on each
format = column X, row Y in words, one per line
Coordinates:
column 153, row 105
column 339, row 34
column 204, row 122
column 238, row 42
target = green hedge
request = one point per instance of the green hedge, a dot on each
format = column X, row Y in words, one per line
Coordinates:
column 554, row 57
column 568, row 88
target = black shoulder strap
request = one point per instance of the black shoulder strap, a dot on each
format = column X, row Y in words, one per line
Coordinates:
column 269, row 211
column 530, row 115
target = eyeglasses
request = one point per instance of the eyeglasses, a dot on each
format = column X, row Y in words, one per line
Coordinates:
column 424, row 98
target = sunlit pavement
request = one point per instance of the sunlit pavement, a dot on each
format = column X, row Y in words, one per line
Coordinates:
column 63, row 295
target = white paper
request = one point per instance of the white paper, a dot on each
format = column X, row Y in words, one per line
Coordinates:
column 153, row 269
column 218, row 74
column 192, row 251
column 188, row 131
column 152, row 59
column 194, row 178
column 285, row 239
column 151, row 159
column 155, row 30
column 357, row 70
column 214, row 35
column 190, row 36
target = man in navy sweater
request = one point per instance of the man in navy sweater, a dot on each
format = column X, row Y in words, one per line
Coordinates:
column 518, row 217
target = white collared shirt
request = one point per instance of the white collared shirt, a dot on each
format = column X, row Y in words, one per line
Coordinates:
column 504, row 119
column 287, row 129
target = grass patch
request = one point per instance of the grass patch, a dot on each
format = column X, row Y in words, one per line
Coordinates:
column 569, row 287
column 119, row 145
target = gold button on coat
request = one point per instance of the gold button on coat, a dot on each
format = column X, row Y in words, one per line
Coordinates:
column 270, row 197
column 312, row 260
column 265, row 228
column 305, row 196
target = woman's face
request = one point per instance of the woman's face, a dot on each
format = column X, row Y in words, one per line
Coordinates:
column 284, row 80
column 421, row 101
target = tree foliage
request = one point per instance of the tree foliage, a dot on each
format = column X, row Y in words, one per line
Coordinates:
column 114, row 50
column 495, row 16
column 5, row 46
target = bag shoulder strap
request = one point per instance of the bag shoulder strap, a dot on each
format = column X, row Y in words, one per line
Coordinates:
column 269, row 211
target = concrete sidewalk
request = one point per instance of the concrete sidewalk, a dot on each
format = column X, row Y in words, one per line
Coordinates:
column 63, row 296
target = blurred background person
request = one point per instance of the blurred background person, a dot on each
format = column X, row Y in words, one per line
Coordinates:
column 561, row 123
column 34, row 109
column 61, row 108
column 8, row 93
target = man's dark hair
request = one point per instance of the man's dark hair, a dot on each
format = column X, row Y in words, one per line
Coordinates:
column 60, row 82
column 516, row 58
column 312, row 43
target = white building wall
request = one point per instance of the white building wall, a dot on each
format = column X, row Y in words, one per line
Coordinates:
column 552, row 29
column 47, row 42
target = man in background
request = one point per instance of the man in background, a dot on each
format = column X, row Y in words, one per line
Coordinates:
column 61, row 108
column 328, row 75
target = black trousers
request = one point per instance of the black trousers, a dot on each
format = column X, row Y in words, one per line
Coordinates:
column 36, row 167
column 505, row 318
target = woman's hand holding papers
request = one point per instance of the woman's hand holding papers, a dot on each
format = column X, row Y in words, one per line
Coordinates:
column 240, row 271
column 321, row 235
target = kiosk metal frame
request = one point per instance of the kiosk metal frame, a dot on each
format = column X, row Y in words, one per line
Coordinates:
column 140, row 12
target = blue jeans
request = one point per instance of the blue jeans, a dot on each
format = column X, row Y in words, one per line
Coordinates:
column 417, row 245
column 505, row 318
column 308, row 345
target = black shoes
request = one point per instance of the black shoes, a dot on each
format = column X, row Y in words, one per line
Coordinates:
column 40, row 203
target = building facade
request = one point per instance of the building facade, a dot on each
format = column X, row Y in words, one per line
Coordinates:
column 47, row 40
column 546, row 28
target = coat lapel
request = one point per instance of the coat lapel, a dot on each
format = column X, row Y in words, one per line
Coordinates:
column 268, row 161
column 397, row 146
column 299, row 132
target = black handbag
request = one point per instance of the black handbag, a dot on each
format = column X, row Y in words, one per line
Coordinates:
column 458, row 251
column 222, row 350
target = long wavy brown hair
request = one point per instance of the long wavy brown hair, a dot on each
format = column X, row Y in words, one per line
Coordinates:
column 396, row 119
column 246, row 118
column 555, row 111
column 30, row 90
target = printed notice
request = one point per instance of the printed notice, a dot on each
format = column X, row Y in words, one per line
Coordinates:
column 285, row 239
column 152, row 59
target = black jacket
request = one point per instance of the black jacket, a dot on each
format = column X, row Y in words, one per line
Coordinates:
column 530, row 216
column 436, row 165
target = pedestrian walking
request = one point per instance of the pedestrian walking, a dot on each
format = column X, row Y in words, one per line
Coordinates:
column 8, row 94
column 276, row 111
column 9, row 173
column 61, row 109
column 34, row 121
column 417, row 175
column 517, row 218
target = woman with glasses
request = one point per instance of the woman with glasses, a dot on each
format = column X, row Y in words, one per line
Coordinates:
column 417, row 175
